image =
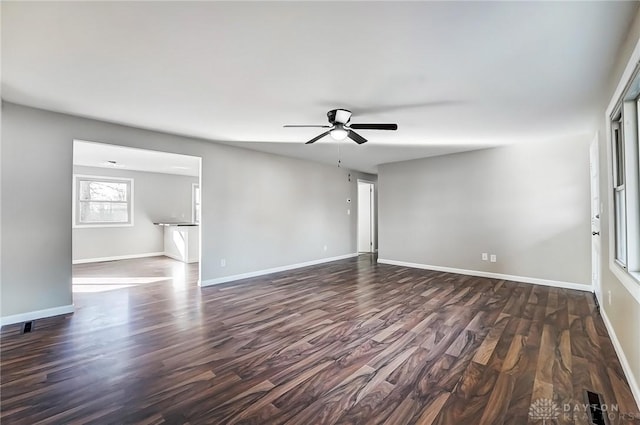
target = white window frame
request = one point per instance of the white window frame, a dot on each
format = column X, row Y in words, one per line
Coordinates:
column 617, row 141
column 195, row 186
column 76, row 201
column 626, row 98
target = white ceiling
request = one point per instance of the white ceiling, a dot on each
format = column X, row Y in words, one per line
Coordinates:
column 453, row 75
column 92, row 154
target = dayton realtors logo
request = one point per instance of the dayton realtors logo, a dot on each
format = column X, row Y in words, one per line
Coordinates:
column 544, row 409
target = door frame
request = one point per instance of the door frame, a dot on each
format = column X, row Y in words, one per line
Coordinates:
column 595, row 217
column 373, row 215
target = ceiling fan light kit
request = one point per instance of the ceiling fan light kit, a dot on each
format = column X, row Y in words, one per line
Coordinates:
column 339, row 133
column 340, row 128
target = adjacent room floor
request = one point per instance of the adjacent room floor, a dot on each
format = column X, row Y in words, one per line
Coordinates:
column 340, row 343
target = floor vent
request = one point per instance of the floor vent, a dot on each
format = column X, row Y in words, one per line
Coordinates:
column 597, row 415
column 27, row 327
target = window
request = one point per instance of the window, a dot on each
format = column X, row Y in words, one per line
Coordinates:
column 625, row 180
column 103, row 201
column 619, row 208
column 195, row 197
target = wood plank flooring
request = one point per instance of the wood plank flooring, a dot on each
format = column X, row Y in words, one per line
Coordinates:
column 349, row 342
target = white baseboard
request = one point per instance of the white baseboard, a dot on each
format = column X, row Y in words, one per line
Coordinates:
column 225, row 279
column 38, row 314
column 118, row 257
column 534, row 280
column 633, row 383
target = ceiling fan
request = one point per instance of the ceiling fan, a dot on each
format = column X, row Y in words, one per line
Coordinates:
column 341, row 129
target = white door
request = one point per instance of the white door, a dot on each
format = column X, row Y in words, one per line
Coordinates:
column 365, row 217
column 594, row 164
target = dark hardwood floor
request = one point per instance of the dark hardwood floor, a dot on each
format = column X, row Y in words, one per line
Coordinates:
column 349, row 342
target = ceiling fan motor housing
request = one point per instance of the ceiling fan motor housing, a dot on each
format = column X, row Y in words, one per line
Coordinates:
column 339, row 116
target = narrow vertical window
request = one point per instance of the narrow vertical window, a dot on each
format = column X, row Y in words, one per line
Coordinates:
column 195, row 196
column 619, row 194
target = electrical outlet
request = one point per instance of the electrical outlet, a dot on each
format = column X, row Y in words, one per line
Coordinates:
column 324, row 248
column 223, row 262
column 349, row 212
column 485, row 256
column 494, row 258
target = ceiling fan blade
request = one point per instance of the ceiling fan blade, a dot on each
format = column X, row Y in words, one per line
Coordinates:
column 374, row 126
column 356, row 137
column 315, row 126
column 315, row 139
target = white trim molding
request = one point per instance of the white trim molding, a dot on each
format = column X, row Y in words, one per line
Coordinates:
column 118, row 257
column 38, row 314
column 524, row 279
column 626, row 367
column 257, row 273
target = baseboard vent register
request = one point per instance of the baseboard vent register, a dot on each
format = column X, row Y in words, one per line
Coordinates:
column 27, row 327
column 597, row 414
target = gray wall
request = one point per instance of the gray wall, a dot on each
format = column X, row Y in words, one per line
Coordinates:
column 157, row 197
column 526, row 203
column 259, row 210
column 624, row 310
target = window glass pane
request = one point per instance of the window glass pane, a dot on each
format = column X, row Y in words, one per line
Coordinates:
column 619, row 156
column 102, row 191
column 196, row 203
column 620, row 226
column 103, row 212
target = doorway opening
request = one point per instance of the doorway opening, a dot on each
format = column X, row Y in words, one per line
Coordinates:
column 135, row 221
column 366, row 217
